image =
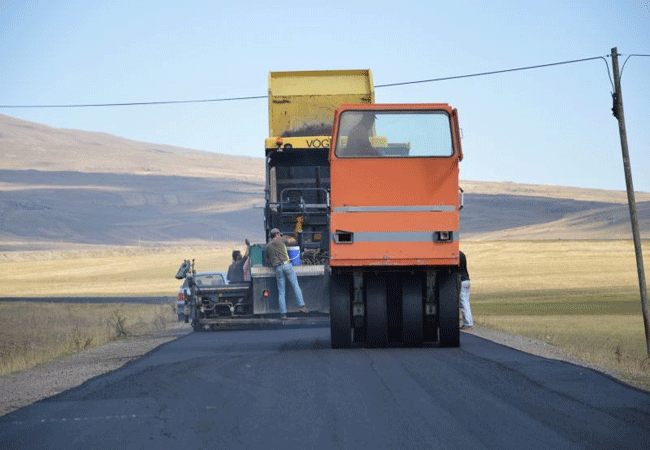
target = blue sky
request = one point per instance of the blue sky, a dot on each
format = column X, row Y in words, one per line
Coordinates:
column 546, row 126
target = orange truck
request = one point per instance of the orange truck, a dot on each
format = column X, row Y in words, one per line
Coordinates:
column 394, row 225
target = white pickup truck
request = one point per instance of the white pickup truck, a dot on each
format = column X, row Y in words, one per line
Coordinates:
column 201, row 279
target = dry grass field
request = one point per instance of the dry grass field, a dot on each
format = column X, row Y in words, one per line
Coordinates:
column 105, row 272
column 35, row 332
column 580, row 296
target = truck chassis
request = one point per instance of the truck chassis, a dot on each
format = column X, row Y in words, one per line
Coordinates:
column 394, row 306
column 255, row 303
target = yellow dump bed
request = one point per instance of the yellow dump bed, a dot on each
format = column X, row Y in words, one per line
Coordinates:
column 303, row 103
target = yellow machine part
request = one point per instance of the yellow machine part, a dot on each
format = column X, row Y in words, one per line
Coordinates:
column 306, row 100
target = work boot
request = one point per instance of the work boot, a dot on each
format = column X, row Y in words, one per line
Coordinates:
column 303, row 309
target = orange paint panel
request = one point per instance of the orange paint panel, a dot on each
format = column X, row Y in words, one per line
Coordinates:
column 399, row 221
column 426, row 181
column 395, row 254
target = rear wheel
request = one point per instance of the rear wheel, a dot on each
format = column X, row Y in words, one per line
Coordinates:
column 448, row 313
column 340, row 311
column 376, row 312
column 412, row 312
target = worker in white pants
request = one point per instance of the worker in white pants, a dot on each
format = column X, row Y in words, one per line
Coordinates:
column 468, row 322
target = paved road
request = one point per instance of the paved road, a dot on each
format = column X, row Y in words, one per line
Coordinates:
column 286, row 389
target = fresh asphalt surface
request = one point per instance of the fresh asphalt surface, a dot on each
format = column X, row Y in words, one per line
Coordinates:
column 286, row 389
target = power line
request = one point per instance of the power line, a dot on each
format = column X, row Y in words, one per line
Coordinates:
column 257, row 97
column 629, row 56
column 165, row 102
column 480, row 74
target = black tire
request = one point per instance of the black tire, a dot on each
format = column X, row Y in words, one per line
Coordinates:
column 448, row 291
column 412, row 312
column 340, row 310
column 376, row 312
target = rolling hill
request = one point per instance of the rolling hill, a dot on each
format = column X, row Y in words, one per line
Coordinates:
column 66, row 187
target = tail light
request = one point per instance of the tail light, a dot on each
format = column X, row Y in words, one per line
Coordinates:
column 445, row 236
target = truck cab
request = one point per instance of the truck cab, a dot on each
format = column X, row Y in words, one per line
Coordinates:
column 394, row 224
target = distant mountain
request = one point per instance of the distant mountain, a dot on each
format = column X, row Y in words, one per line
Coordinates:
column 529, row 217
column 61, row 187
column 27, row 145
column 124, row 209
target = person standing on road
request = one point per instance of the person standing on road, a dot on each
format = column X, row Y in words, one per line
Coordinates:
column 236, row 269
column 276, row 254
column 468, row 322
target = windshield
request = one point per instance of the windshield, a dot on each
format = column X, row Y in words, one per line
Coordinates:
column 394, row 134
column 215, row 279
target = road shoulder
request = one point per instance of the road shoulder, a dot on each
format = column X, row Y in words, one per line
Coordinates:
column 20, row 389
column 539, row 348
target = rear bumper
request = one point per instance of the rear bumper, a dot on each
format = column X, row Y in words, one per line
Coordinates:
column 313, row 281
column 396, row 262
column 248, row 323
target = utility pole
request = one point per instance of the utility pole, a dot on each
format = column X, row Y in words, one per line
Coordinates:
column 617, row 109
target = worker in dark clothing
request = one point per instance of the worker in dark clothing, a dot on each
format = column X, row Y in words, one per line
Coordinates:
column 236, row 269
column 359, row 138
column 276, row 254
column 468, row 322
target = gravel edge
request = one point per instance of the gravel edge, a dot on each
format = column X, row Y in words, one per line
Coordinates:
column 539, row 348
column 21, row 389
